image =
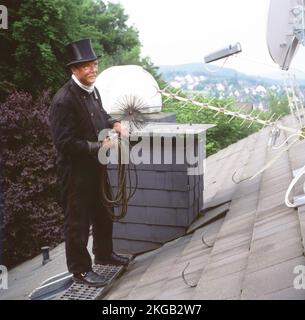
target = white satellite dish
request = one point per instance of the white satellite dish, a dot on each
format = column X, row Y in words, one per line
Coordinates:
column 285, row 30
column 119, row 84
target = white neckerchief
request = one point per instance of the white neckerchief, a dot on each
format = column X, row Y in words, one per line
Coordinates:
column 89, row 89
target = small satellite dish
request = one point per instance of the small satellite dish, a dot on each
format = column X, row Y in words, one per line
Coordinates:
column 120, row 86
column 285, row 30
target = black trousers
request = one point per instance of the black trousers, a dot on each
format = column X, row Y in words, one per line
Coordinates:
column 83, row 207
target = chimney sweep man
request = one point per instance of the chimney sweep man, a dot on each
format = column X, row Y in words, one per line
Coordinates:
column 76, row 118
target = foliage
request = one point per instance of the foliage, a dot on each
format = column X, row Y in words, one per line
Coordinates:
column 33, row 48
column 32, row 217
column 147, row 64
column 112, row 38
column 223, row 134
column 226, row 131
column 34, row 43
column 278, row 104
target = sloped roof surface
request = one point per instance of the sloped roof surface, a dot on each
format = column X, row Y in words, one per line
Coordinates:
column 247, row 243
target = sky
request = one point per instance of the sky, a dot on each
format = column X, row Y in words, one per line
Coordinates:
column 177, row 32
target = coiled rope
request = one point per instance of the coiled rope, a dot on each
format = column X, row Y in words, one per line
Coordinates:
column 121, row 197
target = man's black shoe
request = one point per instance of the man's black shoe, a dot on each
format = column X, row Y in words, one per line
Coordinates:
column 90, row 278
column 113, row 259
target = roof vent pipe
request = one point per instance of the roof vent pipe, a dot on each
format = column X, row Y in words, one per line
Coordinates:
column 45, row 255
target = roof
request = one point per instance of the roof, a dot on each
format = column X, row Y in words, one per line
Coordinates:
column 245, row 244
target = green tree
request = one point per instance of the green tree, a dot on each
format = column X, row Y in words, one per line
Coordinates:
column 148, row 65
column 33, row 48
column 278, row 104
column 223, row 134
column 112, row 38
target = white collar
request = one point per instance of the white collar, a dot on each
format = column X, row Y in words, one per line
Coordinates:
column 89, row 89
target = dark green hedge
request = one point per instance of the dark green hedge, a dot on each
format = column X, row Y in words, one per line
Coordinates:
column 32, row 218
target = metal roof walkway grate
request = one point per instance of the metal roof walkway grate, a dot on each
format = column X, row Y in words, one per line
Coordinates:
column 78, row 291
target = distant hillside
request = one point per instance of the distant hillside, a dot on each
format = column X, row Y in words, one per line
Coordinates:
column 203, row 69
column 224, row 83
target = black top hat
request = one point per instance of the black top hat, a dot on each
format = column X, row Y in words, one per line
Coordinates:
column 80, row 51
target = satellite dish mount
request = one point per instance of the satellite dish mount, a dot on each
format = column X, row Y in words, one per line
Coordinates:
column 285, row 30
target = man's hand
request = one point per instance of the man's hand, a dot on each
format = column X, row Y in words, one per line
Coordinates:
column 122, row 130
column 108, row 143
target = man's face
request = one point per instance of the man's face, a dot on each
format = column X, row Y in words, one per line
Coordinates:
column 86, row 72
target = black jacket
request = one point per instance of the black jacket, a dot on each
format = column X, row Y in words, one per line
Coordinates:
column 72, row 126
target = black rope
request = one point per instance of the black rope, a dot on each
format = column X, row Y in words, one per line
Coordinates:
column 121, row 198
column 131, row 108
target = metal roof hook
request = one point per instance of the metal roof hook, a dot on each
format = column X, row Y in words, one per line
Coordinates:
column 205, row 243
column 238, row 182
column 191, row 285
